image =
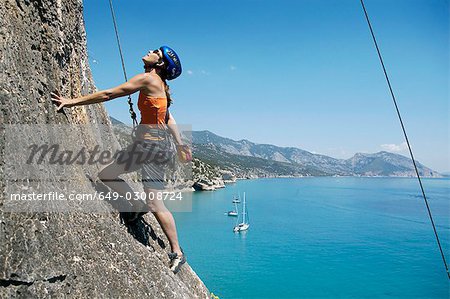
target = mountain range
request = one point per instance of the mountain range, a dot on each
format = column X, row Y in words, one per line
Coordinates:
column 271, row 160
column 244, row 159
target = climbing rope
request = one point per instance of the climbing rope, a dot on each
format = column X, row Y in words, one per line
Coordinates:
column 130, row 102
column 406, row 136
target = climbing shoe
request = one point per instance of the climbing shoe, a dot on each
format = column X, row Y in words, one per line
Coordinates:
column 176, row 261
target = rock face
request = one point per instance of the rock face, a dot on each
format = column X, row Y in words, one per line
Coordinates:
column 73, row 254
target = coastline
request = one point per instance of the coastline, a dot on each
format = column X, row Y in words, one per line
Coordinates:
column 214, row 187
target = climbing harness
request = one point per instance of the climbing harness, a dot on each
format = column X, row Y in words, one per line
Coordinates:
column 130, row 102
column 405, row 135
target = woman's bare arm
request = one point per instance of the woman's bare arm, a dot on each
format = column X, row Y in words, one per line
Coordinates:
column 172, row 124
column 184, row 152
column 133, row 85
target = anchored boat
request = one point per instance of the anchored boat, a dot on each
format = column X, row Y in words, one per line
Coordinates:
column 234, row 212
column 237, row 199
column 244, row 225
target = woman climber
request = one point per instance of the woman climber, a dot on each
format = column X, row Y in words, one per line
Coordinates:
column 154, row 99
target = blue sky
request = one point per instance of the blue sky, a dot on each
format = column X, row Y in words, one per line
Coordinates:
column 300, row 73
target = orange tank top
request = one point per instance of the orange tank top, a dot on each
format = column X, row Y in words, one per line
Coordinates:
column 153, row 109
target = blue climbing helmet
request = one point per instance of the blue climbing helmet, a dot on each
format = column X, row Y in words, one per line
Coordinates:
column 173, row 64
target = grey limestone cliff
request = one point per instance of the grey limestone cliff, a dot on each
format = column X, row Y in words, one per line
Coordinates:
column 72, row 254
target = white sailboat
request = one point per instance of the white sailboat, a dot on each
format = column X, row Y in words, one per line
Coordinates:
column 237, row 199
column 244, row 225
column 233, row 213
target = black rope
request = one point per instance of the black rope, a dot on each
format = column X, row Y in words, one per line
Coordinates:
column 130, row 102
column 406, row 137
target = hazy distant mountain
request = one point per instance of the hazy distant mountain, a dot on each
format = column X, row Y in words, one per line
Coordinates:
column 296, row 160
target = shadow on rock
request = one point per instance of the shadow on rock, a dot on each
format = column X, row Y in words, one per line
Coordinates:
column 142, row 231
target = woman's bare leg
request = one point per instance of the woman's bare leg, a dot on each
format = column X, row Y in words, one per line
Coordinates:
column 110, row 177
column 165, row 219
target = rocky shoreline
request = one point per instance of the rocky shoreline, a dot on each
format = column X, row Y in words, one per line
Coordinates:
column 218, row 183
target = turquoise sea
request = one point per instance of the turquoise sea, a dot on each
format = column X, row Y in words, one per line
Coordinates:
column 321, row 237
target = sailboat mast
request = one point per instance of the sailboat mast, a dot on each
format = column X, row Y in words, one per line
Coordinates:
column 243, row 211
